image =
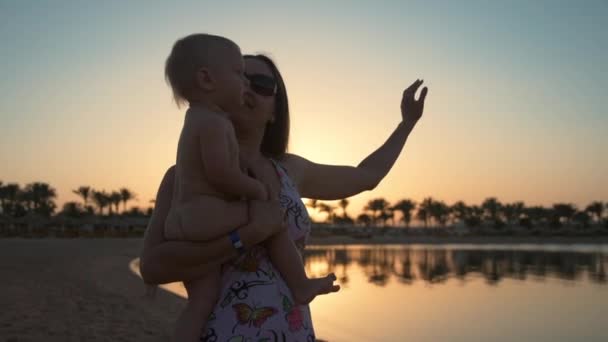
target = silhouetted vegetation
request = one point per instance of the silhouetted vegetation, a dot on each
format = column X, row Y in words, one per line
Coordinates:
column 31, row 211
column 490, row 217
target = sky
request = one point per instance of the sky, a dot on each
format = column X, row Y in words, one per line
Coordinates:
column 516, row 104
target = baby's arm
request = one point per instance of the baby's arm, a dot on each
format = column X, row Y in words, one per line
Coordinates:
column 219, row 152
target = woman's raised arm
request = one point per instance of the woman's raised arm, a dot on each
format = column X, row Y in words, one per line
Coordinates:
column 329, row 182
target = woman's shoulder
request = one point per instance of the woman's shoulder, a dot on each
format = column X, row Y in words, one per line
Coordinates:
column 294, row 165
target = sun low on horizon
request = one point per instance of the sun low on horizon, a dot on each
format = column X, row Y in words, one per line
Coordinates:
column 516, row 106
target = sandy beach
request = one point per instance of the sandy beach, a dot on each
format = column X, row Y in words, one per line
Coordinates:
column 83, row 289
column 78, row 290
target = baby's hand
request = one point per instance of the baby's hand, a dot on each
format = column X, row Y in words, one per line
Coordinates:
column 267, row 218
column 261, row 193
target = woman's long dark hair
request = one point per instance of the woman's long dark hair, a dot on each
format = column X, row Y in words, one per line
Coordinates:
column 276, row 136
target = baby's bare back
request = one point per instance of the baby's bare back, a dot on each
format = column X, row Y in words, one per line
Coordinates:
column 195, row 139
column 207, row 179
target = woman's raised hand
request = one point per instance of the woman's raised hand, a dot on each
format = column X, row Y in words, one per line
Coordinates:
column 411, row 109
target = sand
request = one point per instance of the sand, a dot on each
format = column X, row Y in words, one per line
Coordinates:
column 78, row 290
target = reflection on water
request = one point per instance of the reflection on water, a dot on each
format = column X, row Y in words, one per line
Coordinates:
column 407, row 264
column 462, row 293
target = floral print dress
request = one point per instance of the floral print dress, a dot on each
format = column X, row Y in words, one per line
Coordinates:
column 255, row 304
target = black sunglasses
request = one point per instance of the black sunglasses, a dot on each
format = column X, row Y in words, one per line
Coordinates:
column 262, row 84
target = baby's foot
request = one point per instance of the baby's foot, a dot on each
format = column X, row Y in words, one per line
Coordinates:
column 306, row 292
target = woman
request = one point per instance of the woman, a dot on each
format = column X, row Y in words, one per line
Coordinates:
column 255, row 303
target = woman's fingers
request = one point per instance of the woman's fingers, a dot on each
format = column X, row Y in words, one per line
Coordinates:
column 423, row 94
column 412, row 88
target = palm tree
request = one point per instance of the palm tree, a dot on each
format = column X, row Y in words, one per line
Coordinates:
column 512, row 212
column 405, row 206
column 41, row 196
column 474, row 216
column 605, row 222
column 460, row 210
column 343, row 204
column 596, row 209
column 563, row 212
column 72, row 209
column 115, row 199
column 376, row 205
column 328, row 209
column 364, row 219
column 11, row 199
column 136, row 211
column 423, row 215
column 126, row 195
column 312, row 204
column 84, row 192
column 537, row 215
column 100, row 198
column 582, row 218
column 492, row 208
column 425, row 210
column 387, row 214
column 25, row 197
column 2, row 198
column 440, row 212
column 1, row 195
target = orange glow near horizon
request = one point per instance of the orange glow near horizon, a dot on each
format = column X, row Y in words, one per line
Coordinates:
column 511, row 113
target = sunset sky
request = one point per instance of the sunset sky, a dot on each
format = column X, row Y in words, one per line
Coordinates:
column 516, row 104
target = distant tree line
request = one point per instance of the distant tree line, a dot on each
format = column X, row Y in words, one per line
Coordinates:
column 39, row 198
column 490, row 213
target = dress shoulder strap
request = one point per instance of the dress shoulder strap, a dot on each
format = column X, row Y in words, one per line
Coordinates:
column 280, row 169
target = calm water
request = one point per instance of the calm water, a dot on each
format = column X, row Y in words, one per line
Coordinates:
column 462, row 293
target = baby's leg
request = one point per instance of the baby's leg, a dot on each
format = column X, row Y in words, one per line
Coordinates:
column 204, row 218
column 202, row 296
column 287, row 260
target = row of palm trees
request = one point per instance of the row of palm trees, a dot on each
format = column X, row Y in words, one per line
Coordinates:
column 101, row 199
column 491, row 212
column 39, row 198
column 35, row 197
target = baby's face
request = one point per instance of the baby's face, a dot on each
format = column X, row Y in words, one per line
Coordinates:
column 257, row 109
column 232, row 81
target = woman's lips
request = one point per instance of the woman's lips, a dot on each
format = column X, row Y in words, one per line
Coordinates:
column 248, row 101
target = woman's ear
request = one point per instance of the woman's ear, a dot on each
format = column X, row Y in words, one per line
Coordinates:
column 204, row 79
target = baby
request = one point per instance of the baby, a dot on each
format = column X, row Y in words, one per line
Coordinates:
column 207, row 72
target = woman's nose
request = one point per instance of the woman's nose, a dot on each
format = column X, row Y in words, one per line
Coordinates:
column 248, row 98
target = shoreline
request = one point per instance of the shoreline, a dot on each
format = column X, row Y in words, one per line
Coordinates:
column 338, row 239
column 438, row 240
column 380, row 239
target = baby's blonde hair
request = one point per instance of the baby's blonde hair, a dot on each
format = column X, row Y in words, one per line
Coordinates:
column 187, row 56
